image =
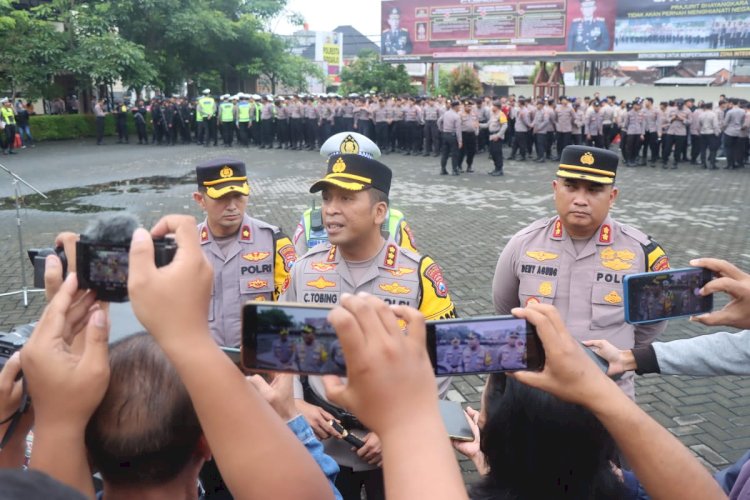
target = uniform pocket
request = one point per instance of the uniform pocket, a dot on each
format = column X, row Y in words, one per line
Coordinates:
column 537, row 290
column 606, row 306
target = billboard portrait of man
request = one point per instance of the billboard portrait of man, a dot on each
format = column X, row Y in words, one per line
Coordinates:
column 589, row 33
column 395, row 40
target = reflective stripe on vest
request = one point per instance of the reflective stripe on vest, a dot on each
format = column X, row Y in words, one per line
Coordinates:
column 8, row 116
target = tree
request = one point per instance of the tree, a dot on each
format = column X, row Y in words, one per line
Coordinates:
column 444, row 77
column 368, row 74
column 464, row 82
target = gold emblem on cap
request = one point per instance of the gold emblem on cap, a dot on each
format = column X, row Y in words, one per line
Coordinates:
column 349, row 146
column 339, row 166
column 587, row 158
column 226, row 172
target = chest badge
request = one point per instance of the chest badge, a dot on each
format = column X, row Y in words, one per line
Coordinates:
column 613, row 297
column 625, row 254
column 532, row 300
column 256, row 256
column 541, row 255
column 321, row 283
column 256, row 284
column 617, row 264
column 545, row 289
column 323, row 266
column 395, row 288
column 401, row 271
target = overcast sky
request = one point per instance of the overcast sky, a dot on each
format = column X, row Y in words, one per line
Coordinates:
column 325, row 15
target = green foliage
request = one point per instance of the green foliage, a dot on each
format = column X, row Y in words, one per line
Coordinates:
column 464, row 82
column 443, row 80
column 369, row 74
column 59, row 127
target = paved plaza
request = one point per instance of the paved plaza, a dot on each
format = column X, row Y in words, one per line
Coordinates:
column 463, row 222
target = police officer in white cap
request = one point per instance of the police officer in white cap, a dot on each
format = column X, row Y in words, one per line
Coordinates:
column 310, row 231
column 205, row 116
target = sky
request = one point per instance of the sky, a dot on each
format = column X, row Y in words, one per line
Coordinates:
column 325, row 15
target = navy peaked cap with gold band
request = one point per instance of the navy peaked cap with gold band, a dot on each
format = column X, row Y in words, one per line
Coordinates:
column 355, row 173
column 222, row 176
column 589, row 164
column 350, row 143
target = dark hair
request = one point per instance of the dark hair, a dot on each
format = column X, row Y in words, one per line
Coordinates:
column 537, row 446
column 378, row 196
column 145, row 430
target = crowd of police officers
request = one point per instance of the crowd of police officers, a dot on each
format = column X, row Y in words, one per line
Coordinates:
column 665, row 133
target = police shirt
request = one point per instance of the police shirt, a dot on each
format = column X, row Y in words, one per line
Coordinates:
column 540, row 264
column 256, row 267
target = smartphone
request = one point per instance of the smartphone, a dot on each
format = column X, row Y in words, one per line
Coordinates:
column 455, row 421
column 233, row 353
column 483, row 345
column 663, row 295
column 295, row 338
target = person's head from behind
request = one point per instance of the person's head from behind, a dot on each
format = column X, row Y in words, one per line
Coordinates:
column 145, row 433
column 537, row 446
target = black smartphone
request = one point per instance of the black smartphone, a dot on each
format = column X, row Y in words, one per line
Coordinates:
column 483, row 345
column 663, row 295
column 294, row 338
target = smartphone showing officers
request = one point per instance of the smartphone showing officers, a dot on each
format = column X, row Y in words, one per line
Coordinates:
column 666, row 294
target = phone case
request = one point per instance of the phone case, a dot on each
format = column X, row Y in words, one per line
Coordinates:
column 627, row 285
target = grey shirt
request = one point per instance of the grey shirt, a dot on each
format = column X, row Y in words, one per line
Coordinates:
column 717, row 354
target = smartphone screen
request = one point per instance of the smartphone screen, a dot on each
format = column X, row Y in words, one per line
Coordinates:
column 290, row 338
column 666, row 294
column 483, row 345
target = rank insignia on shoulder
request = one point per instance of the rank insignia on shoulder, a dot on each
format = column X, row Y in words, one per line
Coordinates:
column 332, row 254
column 256, row 284
column 401, row 271
column 245, row 234
column 605, row 235
column 613, row 297
column 541, row 255
column 545, row 288
column 204, row 235
column 394, row 288
column 321, row 283
column 557, row 232
column 532, row 300
column 256, row 256
column 390, row 256
column 323, row 266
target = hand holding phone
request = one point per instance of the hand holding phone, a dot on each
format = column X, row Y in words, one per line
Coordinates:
column 730, row 280
column 651, row 297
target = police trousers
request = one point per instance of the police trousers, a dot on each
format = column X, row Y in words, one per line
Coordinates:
column 227, row 133
column 695, row 147
column 469, row 149
column 710, row 143
column 520, row 144
column 381, row 132
column 540, row 140
column 244, row 133
column 410, row 136
column 651, row 142
column 679, row 142
column 295, row 125
column 450, row 148
column 266, row 132
column 632, row 146
column 431, row 137
column 595, row 140
column 563, row 139
column 496, row 153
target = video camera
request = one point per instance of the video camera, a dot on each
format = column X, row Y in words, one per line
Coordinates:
column 10, row 343
column 102, row 256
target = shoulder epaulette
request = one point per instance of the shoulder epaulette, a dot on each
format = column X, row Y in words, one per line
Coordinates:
column 636, row 234
column 535, row 226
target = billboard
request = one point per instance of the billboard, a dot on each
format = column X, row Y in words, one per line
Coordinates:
column 329, row 51
column 455, row 30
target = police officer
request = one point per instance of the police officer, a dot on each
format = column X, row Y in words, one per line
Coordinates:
column 497, row 125
column 634, row 127
column 283, row 349
column 578, row 259
column 588, row 33
column 358, row 259
column 395, row 40
column 476, row 357
column 511, row 355
column 244, row 111
column 122, row 122
column 9, row 118
column 227, row 117
column 251, row 259
column 206, row 117
column 453, row 357
column 310, row 230
column 452, row 138
column 310, row 354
